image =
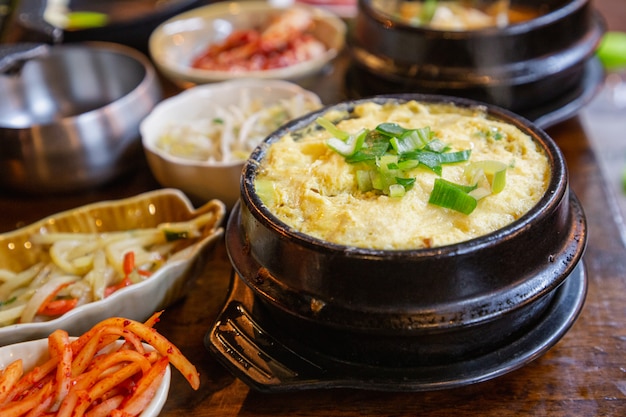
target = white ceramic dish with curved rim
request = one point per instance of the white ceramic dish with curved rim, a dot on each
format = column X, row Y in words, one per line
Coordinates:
column 175, row 42
column 35, row 352
column 137, row 301
column 204, row 180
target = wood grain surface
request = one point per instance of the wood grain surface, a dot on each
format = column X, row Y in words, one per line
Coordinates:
column 583, row 375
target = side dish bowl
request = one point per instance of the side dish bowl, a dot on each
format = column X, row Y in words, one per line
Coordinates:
column 409, row 307
column 176, row 42
column 35, row 352
column 206, row 179
column 70, row 114
column 137, row 301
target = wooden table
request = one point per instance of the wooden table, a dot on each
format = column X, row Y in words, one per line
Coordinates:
column 583, row 375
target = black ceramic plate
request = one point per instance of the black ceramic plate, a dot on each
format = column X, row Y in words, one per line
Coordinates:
column 259, row 353
column 544, row 115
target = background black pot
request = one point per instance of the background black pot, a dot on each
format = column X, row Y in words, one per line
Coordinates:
column 519, row 67
column 129, row 23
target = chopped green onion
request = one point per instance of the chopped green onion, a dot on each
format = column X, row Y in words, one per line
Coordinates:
column 332, row 129
column 405, row 182
column 390, row 150
column 391, row 129
column 395, row 130
column 454, row 157
column 436, row 145
column 387, row 172
column 374, row 146
column 406, row 144
column 498, row 182
column 480, row 192
column 353, row 143
column 265, row 191
column 343, row 142
column 377, row 181
column 396, row 191
column 453, row 196
column 494, row 171
column 364, row 180
column 430, row 160
column 405, row 140
column 408, row 164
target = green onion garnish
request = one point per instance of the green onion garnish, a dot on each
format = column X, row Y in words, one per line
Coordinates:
column 493, row 171
column 374, row 146
column 364, row 180
column 332, row 129
column 407, row 183
column 265, row 191
column 453, row 196
column 388, row 152
column 350, row 146
column 342, row 142
column 396, row 191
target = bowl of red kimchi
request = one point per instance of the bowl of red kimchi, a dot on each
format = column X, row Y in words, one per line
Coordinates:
column 254, row 39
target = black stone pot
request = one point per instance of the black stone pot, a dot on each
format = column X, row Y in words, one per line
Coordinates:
column 518, row 67
column 409, row 307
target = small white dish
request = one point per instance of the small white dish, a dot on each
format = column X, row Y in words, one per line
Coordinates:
column 204, row 180
column 176, row 42
column 35, row 352
column 138, row 301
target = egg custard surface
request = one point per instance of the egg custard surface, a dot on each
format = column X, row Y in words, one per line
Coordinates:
column 315, row 190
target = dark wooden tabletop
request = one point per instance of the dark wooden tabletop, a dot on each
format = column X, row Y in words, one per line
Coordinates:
column 584, row 374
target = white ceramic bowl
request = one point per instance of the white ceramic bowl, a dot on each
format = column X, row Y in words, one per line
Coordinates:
column 138, row 301
column 174, row 43
column 35, row 352
column 205, row 180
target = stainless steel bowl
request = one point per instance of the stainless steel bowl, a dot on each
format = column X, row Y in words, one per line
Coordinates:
column 70, row 114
